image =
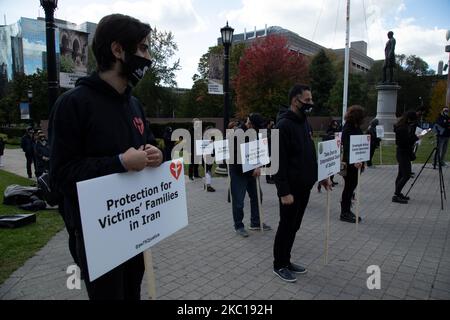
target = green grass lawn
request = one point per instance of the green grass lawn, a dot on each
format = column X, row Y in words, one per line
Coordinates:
column 12, row 146
column 18, row 245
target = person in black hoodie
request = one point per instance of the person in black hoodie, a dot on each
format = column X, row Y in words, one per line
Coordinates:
column 296, row 176
column 353, row 120
column 27, row 144
column 98, row 128
column 405, row 138
column 41, row 155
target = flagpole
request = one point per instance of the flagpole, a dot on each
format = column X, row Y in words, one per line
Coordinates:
column 346, row 64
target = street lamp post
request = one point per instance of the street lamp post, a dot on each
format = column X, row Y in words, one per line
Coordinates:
column 227, row 39
column 53, row 87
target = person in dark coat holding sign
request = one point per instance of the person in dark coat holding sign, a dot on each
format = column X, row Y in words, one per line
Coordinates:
column 296, row 176
column 353, row 120
column 245, row 182
column 98, row 128
column 405, row 138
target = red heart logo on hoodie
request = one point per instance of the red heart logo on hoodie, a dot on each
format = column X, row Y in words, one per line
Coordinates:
column 139, row 124
column 175, row 169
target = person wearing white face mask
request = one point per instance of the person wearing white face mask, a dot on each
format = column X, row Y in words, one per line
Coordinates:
column 98, row 128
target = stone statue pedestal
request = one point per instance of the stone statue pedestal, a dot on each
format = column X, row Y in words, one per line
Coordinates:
column 386, row 110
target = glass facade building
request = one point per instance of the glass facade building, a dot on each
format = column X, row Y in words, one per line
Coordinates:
column 23, row 45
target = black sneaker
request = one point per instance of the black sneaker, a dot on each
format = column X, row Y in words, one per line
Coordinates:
column 401, row 195
column 258, row 227
column 295, row 268
column 398, row 199
column 285, row 274
column 210, row 189
column 349, row 217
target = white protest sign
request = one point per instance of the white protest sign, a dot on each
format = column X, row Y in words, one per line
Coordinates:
column 204, row 147
column 329, row 158
column 380, row 132
column 127, row 213
column 254, row 154
column 420, row 132
column 359, row 148
column 221, row 150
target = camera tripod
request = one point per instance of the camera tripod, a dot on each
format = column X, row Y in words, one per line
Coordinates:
column 435, row 152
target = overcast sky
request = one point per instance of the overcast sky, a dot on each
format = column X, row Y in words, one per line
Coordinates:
column 419, row 26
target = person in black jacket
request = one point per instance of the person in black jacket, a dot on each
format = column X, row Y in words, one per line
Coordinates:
column 2, row 150
column 296, row 176
column 353, row 120
column 42, row 155
column 405, row 138
column 168, row 143
column 443, row 135
column 374, row 140
column 27, row 144
column 98, row 128
column 242, row 182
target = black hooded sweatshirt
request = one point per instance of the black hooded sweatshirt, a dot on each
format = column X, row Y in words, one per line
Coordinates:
column 298, row 160
column 89, row 127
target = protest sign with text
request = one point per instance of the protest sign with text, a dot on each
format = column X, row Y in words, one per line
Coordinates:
column 254, row 154
column 328, row 158
column 380, row 132
column 359, row 148
column 221, row 150
column 124, row 214
column 204, row 147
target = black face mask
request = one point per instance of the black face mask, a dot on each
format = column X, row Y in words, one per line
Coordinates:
column 135, row 68
column 306, row 107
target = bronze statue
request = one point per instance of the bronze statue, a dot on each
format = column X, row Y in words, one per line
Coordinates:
column 389, row 53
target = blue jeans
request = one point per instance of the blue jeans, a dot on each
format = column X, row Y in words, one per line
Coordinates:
column 241, row 183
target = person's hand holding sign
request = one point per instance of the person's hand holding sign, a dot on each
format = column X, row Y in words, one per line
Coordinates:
column 359, row 165
column 154, row 156
column 135, row 160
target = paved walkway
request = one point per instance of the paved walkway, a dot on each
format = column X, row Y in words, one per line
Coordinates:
column 207, row 260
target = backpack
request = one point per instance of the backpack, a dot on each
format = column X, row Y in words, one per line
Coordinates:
column 18, row 195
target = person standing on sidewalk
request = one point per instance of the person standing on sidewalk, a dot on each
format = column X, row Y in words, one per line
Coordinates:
column 296, row 176
column 443, row 135
column 405, row 138
column 27, row 144
column 353, row 121
column 242, row 182
column 2, row 151
column 98, row 128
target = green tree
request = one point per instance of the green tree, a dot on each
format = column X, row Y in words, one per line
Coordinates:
column 198, row 102
column 152, row 89
column 323, row 79
column 357, row 94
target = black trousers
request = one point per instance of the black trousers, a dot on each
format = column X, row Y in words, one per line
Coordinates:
column 372, row 152
column 30, row 160
column 290, row 220
column 404, row 171
column 351, row 182
column 193, row 170
column 121, row 283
